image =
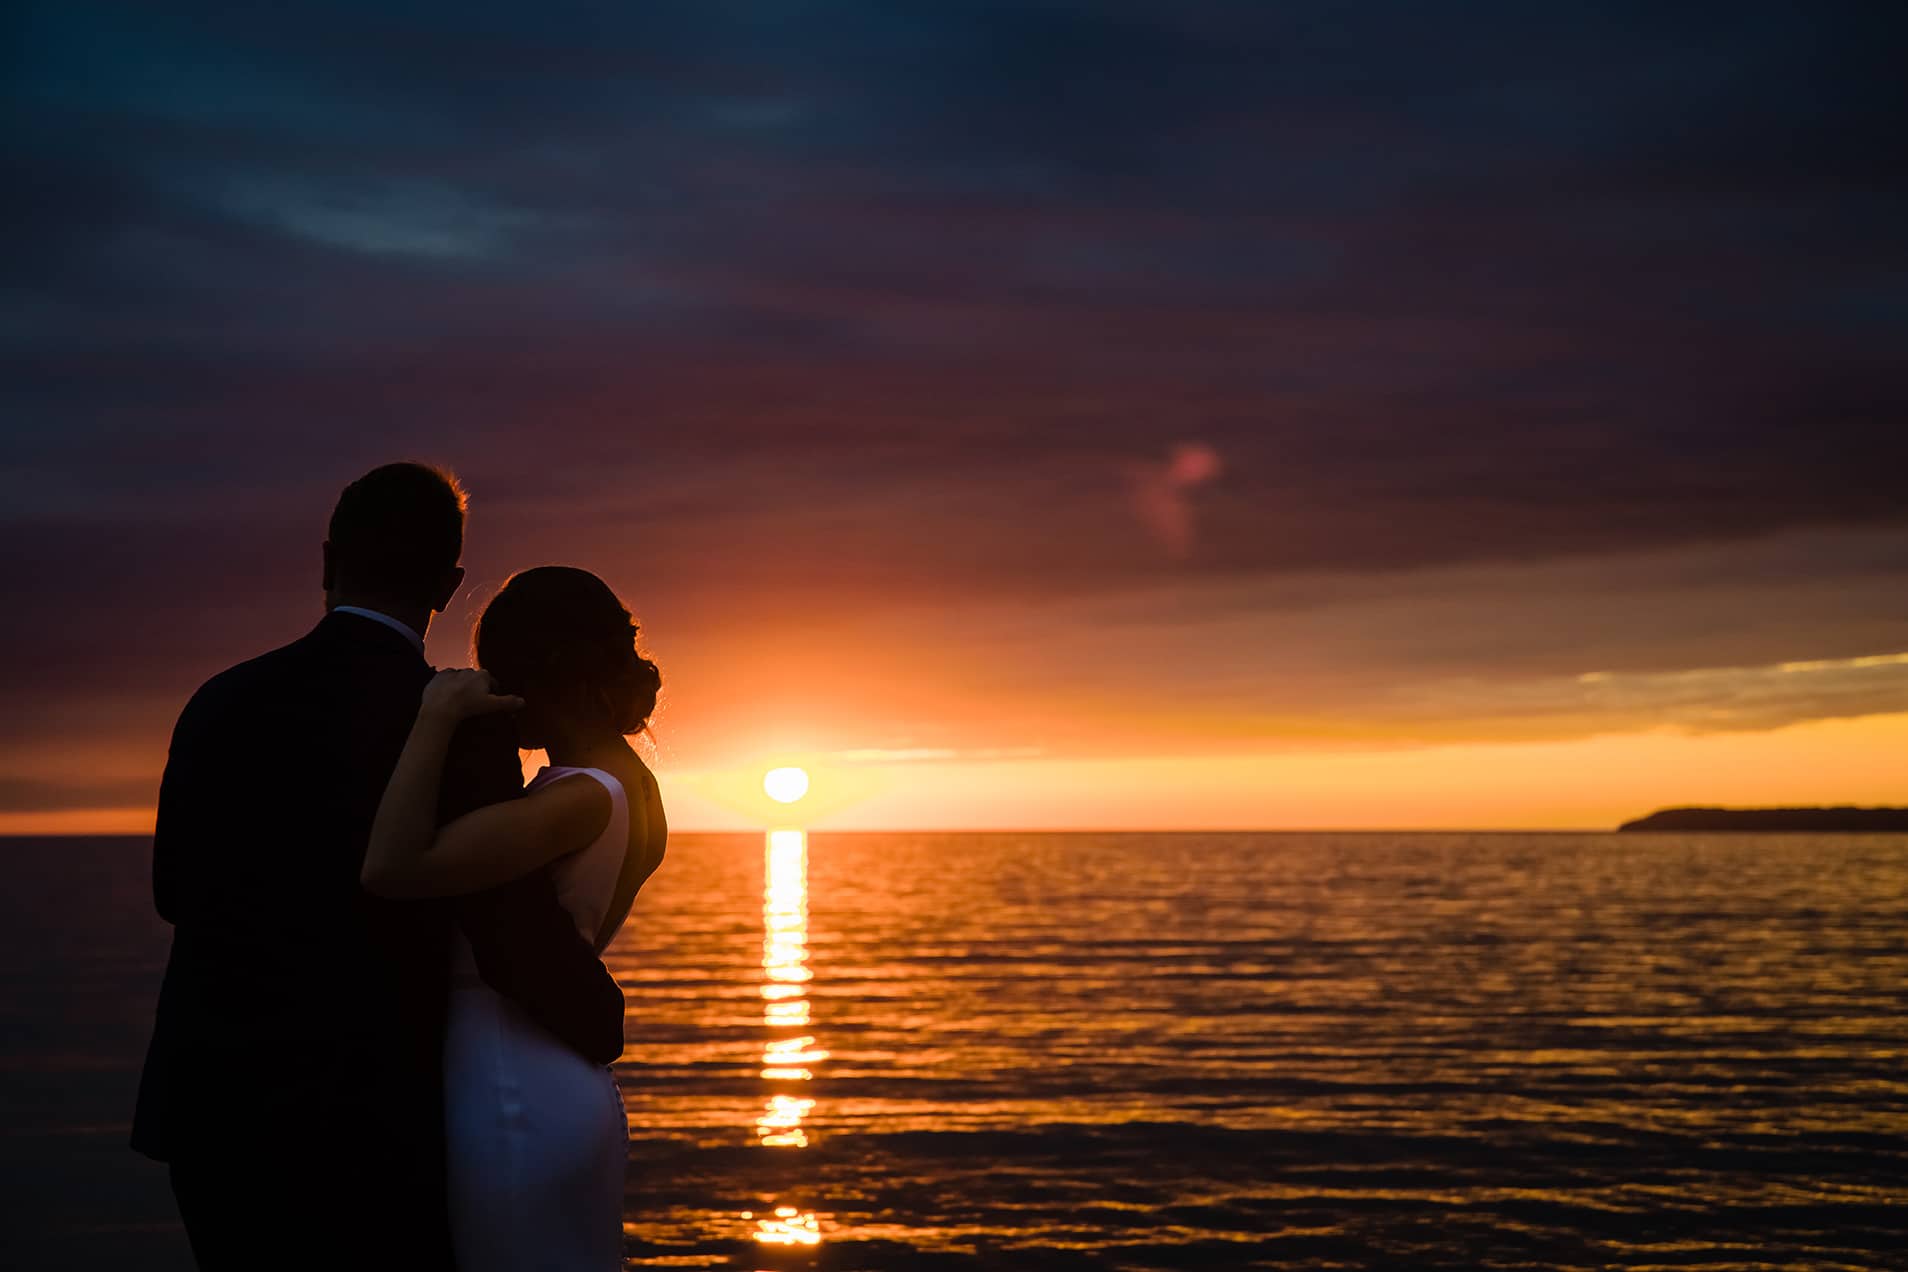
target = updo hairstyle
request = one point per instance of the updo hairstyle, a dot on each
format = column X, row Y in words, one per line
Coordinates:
column 560, row 638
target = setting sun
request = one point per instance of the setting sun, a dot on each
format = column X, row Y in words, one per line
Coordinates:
column 785, row 785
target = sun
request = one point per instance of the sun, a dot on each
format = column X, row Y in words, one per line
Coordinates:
column 785, row 785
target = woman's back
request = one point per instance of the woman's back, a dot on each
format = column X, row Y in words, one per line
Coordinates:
column 586, row 879
column 536, row 1134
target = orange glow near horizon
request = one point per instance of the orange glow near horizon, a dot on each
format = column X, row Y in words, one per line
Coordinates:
column 79, row 821
column 1587, row 783
column 1591, row 783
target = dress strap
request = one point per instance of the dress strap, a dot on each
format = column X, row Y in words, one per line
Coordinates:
column 557, row 772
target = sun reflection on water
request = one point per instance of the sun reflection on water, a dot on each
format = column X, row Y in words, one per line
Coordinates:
column 788, row 1226
column 788, row 1054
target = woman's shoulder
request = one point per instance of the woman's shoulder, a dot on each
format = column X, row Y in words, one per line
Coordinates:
column 627, row 773
column 552, row 774
column 577, row 810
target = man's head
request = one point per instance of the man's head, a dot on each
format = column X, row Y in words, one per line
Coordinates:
column 394, row 541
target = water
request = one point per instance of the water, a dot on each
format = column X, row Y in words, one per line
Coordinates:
column 1145, row 1051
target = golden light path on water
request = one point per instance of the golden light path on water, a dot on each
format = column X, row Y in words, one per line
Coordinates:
column 789, row 1051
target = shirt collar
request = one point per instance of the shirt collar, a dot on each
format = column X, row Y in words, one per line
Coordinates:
column 403, row 629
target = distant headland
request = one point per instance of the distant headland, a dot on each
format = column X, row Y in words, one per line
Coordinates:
column 1815, row 819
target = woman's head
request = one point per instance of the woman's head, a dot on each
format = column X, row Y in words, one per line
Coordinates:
column 558, row 637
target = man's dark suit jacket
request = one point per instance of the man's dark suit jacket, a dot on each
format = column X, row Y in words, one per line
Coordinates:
column 300, row 1015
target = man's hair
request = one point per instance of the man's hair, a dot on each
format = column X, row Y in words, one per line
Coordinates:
column 397, row 531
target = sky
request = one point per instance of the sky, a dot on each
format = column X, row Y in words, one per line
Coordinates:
column 1037, row 414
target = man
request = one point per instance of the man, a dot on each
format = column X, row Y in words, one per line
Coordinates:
column 293, row 1082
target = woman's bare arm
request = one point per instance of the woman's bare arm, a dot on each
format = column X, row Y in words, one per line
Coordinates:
column 409, row 856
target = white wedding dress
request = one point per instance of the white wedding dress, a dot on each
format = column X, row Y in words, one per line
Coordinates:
column 536, row 1135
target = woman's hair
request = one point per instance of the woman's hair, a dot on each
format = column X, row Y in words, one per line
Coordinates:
column 559, row 637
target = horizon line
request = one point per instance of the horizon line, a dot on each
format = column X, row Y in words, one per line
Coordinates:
column 1010, row 830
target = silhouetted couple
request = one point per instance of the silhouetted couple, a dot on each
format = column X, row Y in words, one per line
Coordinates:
column 385, row 1030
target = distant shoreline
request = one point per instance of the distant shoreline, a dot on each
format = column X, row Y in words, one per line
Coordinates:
column 1688, row 820
column 1785, row 819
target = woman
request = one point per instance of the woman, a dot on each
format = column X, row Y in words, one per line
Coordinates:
column 536, row 1135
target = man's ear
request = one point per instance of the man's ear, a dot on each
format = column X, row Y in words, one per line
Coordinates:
column 331, row 569
column 452, row 581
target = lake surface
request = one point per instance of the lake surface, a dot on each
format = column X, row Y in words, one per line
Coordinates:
column 1142, row 1051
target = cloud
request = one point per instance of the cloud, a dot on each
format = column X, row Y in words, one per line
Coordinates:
column 1472, row 653
column 867, row 314
column 402, row 218
column 1696, row 700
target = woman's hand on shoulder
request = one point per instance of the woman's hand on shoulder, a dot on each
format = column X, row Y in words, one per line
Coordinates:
column 458, row 694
